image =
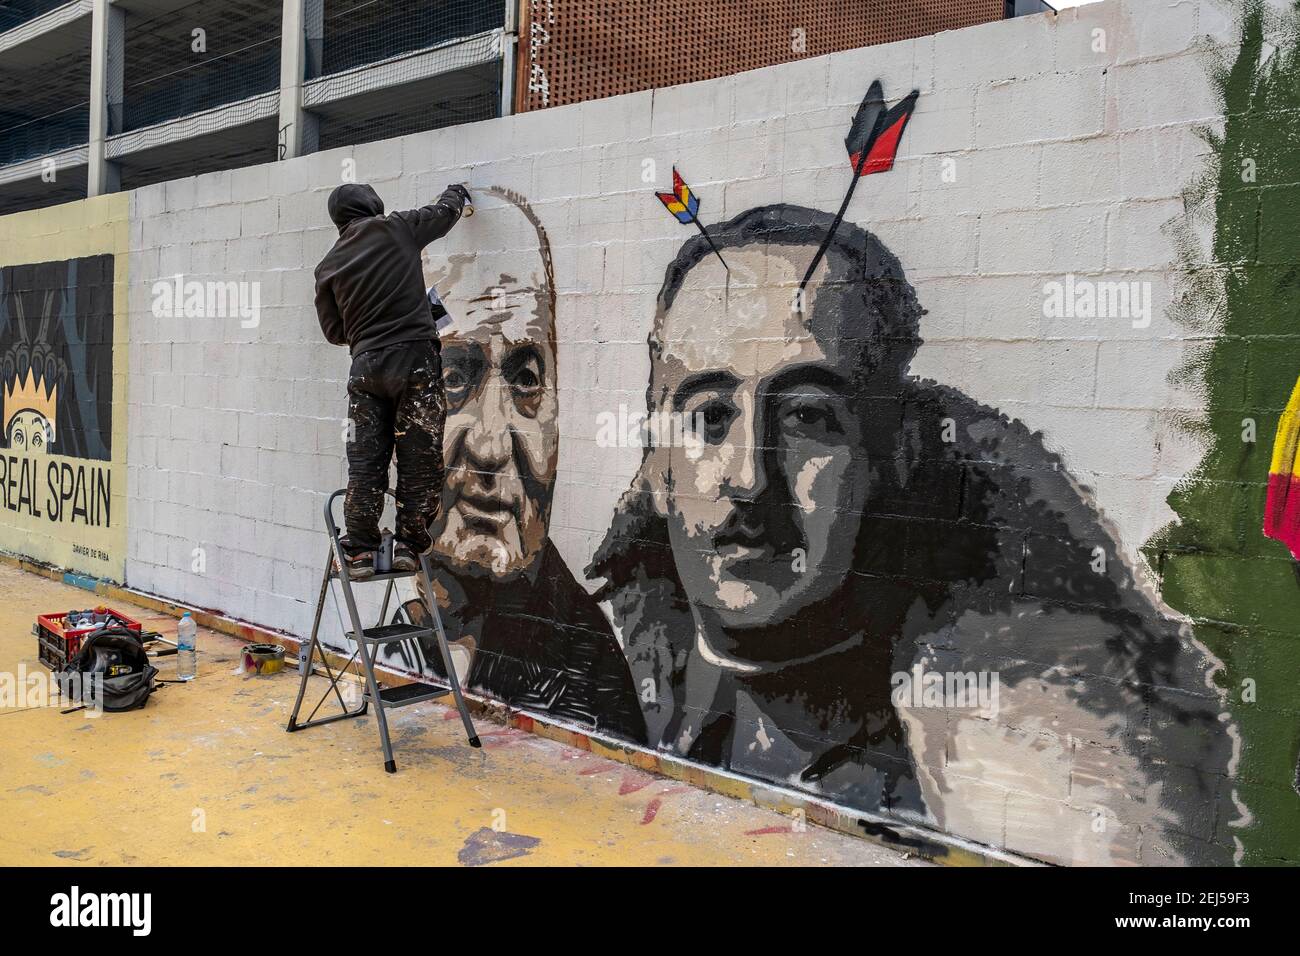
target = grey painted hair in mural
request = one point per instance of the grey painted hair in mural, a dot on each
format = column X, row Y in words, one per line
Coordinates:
column 864, row 280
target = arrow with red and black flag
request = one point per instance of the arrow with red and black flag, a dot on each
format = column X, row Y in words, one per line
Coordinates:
column 872, row 144
column 684, row 203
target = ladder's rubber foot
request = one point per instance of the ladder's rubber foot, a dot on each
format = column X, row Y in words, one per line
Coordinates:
column 474, row 741
column 390, row 766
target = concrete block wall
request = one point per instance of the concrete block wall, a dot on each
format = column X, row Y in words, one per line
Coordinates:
column 1054, row 170
column 1044, row 152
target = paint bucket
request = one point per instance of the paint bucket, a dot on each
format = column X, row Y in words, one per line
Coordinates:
column 261, row 659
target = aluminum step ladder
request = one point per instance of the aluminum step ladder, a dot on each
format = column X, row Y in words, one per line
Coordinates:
column 368, row 640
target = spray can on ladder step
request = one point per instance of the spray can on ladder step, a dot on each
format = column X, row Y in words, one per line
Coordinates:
column 384, row 556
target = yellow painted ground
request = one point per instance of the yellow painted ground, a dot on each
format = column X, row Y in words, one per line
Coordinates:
column 205, row 774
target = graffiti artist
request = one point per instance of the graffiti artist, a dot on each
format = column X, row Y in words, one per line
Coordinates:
column 370, row 296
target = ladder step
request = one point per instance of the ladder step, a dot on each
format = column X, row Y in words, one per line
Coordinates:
column 409, row 694
column 378, row 576
column 387, row 633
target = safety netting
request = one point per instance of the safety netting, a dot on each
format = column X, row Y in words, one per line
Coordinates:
column 14, row 13
column 206, row 54
column 46, row 107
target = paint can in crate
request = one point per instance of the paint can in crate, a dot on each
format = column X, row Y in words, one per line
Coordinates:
column 60, row 633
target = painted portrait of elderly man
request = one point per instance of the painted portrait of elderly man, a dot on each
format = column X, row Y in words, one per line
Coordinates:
column 840, row 529
column 524, row 630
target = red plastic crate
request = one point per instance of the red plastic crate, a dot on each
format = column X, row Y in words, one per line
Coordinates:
column 57, row 644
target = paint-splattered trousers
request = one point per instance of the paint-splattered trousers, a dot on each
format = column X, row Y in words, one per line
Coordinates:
column 395, row 401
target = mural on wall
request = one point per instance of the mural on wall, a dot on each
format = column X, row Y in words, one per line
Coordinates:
column 841, row 524
column 827, row 573
column 1230, row 562
column 56, row 370
column 524, row 629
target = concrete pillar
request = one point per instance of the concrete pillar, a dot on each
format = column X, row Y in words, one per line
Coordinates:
column 509, row 46
column 107, row 60
column 302, row 20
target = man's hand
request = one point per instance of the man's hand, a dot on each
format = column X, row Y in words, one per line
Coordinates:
column 436, row 219
column 467, row 204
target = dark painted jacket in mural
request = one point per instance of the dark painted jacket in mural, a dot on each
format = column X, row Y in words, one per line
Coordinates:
column 984, row 556
column 541, row 643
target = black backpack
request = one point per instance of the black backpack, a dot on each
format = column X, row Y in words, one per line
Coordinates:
column 117, row 655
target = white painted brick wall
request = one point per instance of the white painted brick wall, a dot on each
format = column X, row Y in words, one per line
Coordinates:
column 1067, row 160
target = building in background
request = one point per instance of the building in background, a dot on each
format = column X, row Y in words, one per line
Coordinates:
column 105, row 95
column 574, row 50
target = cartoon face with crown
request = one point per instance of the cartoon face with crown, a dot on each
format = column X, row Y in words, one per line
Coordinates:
column 30, row 372
column 29, row 415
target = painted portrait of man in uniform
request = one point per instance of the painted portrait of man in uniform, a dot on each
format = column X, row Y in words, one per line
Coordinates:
column 838, row 523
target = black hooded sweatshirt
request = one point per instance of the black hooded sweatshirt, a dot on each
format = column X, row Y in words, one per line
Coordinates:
column 370, row 286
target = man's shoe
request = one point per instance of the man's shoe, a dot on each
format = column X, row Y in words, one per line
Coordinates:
column 405, row 558
column 360, row 564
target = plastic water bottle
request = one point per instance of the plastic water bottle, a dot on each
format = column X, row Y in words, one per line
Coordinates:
column 187, row 633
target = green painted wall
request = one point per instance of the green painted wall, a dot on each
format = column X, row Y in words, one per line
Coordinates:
column 1241, row 588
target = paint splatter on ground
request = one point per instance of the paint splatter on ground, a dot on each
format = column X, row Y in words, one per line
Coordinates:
column 490, row 846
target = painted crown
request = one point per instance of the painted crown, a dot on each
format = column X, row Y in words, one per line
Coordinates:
column 29, row 393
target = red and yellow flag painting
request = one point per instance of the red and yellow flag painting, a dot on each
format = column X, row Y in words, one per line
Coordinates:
column 1282, row 512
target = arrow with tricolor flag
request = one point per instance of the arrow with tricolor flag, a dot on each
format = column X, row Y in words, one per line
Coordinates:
column 872, row 144
column 683, row 203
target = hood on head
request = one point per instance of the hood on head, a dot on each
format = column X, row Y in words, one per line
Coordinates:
column 353, row 201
